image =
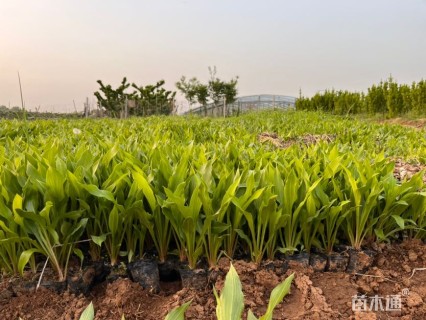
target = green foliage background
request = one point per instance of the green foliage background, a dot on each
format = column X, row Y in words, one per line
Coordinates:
column 387, row 98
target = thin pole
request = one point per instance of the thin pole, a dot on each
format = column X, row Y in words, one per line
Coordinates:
column 86, row 108
column 20, row 88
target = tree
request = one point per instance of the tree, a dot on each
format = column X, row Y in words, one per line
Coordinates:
column 112, row 99
column 153, row 99
column 221, row 90
column 215, row 91
column 376, row 98
column 189, row 89
column 394, row 100
column 202, row 95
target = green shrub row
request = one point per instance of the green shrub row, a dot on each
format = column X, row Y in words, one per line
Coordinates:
column 387, row 98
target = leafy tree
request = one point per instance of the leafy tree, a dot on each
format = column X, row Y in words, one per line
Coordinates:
column 215, row 91
column 153, row 99
column 112, row 99
column 346, row 102
column 418, row 97
column 189, row 89
column 407, row 103
column 220, row 90
column 202, row 95
column 394, row 100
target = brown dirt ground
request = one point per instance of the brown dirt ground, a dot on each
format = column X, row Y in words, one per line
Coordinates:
column 404, row 170
column 314, row 295
column 306, row 139
column 412, row 123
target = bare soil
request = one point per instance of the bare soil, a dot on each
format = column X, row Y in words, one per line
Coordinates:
column 306, row 139
column 405, row 170
column 411, row 123
column 398, row 269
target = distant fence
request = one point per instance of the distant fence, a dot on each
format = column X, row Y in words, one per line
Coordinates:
column 246, row 103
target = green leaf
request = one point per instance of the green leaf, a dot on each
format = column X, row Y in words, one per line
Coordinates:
column 277, row 295
column 251, row 316
column 379, row 233
column 399, row 221
column 230, row 304
column 17, row 203
column 178, row 313
column 24, row 258
column 55, row 184
column 94, row 190
column 79, row 254
column 113, row 220
column 146, row 189
column 88, row 313
column 99, row 239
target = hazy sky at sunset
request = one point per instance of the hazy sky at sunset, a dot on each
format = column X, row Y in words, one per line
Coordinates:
column 61, row 47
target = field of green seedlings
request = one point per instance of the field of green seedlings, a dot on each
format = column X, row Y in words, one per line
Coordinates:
column 199, row 188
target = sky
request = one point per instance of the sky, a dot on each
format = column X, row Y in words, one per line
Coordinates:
column 61, row 47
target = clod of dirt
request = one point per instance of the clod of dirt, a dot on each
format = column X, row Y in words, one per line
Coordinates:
column 412, row 256
column 414, row 299
column 311, row 300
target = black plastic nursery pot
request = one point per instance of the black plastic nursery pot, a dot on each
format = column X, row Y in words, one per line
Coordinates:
column 118, row 271
column 31, row 286
column 337, row 262
column 169, row 271
column 57, row 286
column 360, row 260
column 193, row 278
column 318, row 261
column 302, row 259
column 83, row 282
column 146, row 273
column 20, row 286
